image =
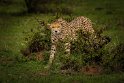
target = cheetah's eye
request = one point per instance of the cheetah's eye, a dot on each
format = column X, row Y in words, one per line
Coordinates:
column 52, row 27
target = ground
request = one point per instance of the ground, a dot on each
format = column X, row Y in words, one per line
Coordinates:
column 107, row 14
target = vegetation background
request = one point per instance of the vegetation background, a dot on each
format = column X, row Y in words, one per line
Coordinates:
column 20, row 29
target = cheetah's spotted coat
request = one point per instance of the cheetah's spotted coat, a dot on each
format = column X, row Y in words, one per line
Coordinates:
column 63, row 30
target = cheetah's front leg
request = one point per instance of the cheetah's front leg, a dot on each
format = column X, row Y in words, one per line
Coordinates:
column 52, row 55
column 67, row 48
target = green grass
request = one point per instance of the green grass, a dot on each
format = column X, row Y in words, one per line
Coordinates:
column 107, row 14
column 31, row 72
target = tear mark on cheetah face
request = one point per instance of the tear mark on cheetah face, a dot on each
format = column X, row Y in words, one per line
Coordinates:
column 55, row 28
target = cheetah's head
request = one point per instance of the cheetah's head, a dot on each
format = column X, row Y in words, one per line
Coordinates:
column 55, row 28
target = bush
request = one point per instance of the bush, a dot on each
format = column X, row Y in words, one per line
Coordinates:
column 90, row 48
column 114, row 60
column 37, row 40
column 85, row 51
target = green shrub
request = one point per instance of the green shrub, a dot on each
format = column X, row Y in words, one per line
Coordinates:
column 37, row 40
column 90, row 48
column 86, row 50
column 114, row 60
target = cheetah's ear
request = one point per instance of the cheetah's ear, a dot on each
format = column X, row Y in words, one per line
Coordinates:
column 48, row 26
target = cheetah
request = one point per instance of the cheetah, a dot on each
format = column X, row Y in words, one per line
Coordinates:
column 63, row 30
